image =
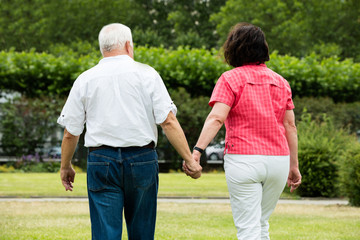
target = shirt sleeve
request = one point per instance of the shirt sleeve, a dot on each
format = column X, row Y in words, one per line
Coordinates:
column 289, row 104
column 162, row 103
column 222, row 93
column 72, row 116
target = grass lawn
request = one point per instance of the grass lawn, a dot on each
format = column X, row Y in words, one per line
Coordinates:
column 70, row 220
column 171, row 185
column 49, row 184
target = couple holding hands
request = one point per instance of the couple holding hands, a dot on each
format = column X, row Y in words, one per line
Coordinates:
column 121, row 101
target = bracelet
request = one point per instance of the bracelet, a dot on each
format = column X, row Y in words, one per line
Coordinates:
column 198, row 149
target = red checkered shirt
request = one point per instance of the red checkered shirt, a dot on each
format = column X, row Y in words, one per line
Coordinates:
column 258, row 98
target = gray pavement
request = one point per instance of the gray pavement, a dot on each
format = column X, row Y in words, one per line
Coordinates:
column 188, row 200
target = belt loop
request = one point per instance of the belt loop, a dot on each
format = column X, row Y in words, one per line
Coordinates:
column 119, row 154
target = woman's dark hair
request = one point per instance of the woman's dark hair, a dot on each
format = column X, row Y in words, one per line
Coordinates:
column 246, row 44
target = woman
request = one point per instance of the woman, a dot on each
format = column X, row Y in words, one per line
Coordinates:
column 261, row 138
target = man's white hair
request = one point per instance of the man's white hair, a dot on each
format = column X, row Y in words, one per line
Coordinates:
column 114, row 36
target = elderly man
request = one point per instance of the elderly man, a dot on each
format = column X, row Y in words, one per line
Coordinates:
column 121, row 101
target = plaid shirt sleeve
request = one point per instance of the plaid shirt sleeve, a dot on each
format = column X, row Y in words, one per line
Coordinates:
column 289, row 104
column 222, row 93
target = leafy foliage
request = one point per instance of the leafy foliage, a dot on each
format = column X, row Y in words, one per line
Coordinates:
column 190, row 22
column 316, row 77
column 297, row 27
column 321, row 146
column 32, row 166
column 292, row 27
column 196, row 70
column 26, row 124
column 39, row 23
column 343, row 115
column 37, row 74
column 350, row 174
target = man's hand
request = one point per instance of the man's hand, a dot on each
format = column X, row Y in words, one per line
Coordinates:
column 67, row 176
column 192, row 168
column 294, row 179
column 68, row 146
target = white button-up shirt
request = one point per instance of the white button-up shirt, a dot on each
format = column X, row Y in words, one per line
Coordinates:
column 120, row 100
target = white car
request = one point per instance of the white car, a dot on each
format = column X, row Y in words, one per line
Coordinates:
column 215, row 153
column 55, row 152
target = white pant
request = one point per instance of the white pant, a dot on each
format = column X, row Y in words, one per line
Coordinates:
column 255, row 183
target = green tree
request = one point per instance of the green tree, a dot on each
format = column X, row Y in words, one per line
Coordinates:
column 275, row 17
column 20, row 26
column 297, row 27
column 190, row 22
column 349, row 29
column 40, row 23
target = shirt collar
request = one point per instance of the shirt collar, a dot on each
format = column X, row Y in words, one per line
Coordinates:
column 255, row 64
column 115, row 58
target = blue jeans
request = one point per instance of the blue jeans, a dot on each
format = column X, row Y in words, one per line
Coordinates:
column 123, row 179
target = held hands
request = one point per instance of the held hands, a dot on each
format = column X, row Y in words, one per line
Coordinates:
column 67, row 176
column 192, row 168
column 294, row 179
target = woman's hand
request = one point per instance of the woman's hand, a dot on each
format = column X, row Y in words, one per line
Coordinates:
column 294, row 179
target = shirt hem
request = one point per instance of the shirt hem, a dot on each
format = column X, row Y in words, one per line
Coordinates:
column 259, row 153
column 165, row 114
column 72, row 130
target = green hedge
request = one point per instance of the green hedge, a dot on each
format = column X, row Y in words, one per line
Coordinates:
column 344, row 115
column 38, row 74
column 321, row 147
column 316, row 77
column 350, row 174
column 196, row 70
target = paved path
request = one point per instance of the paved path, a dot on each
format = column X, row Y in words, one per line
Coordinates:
column 188, row 200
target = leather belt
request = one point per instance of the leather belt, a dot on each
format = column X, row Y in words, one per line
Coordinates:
column 151, row 145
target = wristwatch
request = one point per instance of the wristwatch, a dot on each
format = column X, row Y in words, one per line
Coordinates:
column 200, row 150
